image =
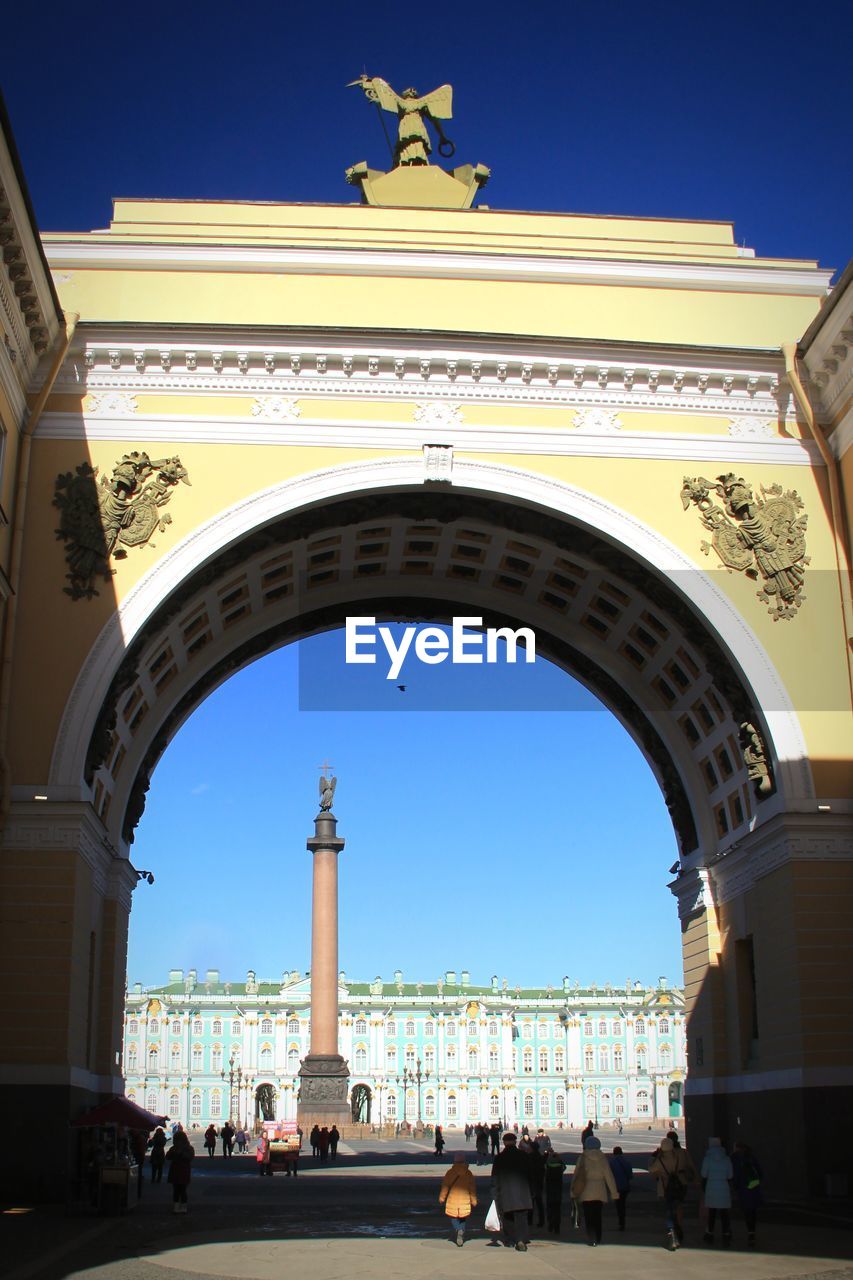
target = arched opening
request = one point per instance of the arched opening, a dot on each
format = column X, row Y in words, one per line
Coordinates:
column 361, row 1101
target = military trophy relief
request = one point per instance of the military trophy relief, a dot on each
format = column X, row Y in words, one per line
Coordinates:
column 763, row 537
column 101, row 517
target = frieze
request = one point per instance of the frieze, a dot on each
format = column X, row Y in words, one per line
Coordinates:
column 763, row 537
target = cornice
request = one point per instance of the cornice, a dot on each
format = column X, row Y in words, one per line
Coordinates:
column 742, row 276
column 334, row 433
column 734, row 385
column 786, row 838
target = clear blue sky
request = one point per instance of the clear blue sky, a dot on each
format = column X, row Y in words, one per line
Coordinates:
column 525, row 843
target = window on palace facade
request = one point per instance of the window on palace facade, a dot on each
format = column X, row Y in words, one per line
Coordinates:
column 493, row 1028
column 618, row 1061
column 527, row 1062
column 451, row 1058
column 619, row 1102
column 588, row 1059
column 133, row 1027
column 153, row 1058
column 543, row 1061
column 528, row 1105
column 559, row 1060
column 410, row 1027
column 176, row 1027
column 266, row 1027
column 195, row 1105
column 527, row 1030
column 391, row 1059
column 132, row 1057
column 391, row 1106
column 602, row 1028
column 151, row 1100
column 293, row 1027
column 640, row 1027
column 587, row 1028
column 410, row 1055
column 197, row 1027
column 391, row 1029
column 494, row 1106
column 216, row 1103
column 174, row 1104
column 641, row 1057
column 642, row 1102
column 544, row 1104
column 265, row 1058
column 216, row 1058
column 560, row 1106
column 235, row 1054
column 451, row 1028
column 429, row 1058
column 361, row 1059
column 429, row 1028
column 175, row 1057
column 617, row 1027
column 197, row 1057
column 236, row 1027
column 590, row 1102
column 429, row 1106
column 131, row 1094
column 292, row 1060
column 606, row 1103
column 473, row 1061
column 472, row 1028
column 603, row 1059
column 154, row 1027
column 451, row 1106
column 493, row 1059
column 665, row 1056
column 515, row 1062
column 217, row 1027
column 410, row 1106
column 360, row 1027
column 544, row 1031
column 473, row 1105
column 663, row 1026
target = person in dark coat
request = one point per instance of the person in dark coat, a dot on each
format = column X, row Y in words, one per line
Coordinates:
column 537, row 1183
column 588, row 1132
column 746, row 1181
column 228, row 1139
column 511, row 1193
column 334, row 1139
column 158, row 1155
column 180, row 1156
column 495, row 1138
column 482, row 1143
column 314, row 1139
column 555, row 1167
column 210, row 1139
column 439, row 1140
column 323, row 1143
column 620, row 1167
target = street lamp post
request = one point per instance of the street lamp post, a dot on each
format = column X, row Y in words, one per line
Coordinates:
column 410, row 1077
column 231, row 1091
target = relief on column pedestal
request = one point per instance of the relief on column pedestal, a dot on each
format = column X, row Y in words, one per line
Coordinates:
column 323, row 1089
column 99, row 519
column 764, row 537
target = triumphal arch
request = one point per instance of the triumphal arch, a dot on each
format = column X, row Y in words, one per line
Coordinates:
column 229, row 425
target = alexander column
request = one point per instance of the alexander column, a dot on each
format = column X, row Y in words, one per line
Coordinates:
column 324, row 1074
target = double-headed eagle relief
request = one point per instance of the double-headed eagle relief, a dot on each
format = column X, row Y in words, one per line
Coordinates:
column 764, row 537
column 100, row 520
column 412, row 111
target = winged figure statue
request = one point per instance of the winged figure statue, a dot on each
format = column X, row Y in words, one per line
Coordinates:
column 327, row 793
column 412, row 112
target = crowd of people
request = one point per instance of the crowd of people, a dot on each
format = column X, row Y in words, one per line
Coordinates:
column 527, row 1180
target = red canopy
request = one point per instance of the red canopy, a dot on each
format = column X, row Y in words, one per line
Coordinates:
column 119, row 1110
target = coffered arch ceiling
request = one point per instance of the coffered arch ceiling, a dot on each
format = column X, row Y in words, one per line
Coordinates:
column 429, row 552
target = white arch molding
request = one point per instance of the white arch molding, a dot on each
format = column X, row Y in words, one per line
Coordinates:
column 480, row 478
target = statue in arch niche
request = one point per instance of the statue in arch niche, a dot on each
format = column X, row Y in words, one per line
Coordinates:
column 412, row 112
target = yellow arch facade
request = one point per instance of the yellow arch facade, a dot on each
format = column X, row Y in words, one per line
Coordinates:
column 417, row 408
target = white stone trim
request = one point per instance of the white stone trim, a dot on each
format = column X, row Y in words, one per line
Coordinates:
column 741, row 276
column 333, row 433
column 785, row 838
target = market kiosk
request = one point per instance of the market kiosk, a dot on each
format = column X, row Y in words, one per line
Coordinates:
column 114, row 1136
column 285, row 1144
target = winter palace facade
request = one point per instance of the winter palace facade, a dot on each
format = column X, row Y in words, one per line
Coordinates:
column 199, row 1050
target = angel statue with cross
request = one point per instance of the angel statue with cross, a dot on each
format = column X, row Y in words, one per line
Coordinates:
column 413, row 142
column 327, row 790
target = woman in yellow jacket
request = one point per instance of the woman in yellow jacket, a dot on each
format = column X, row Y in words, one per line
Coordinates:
column 458, row 1194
